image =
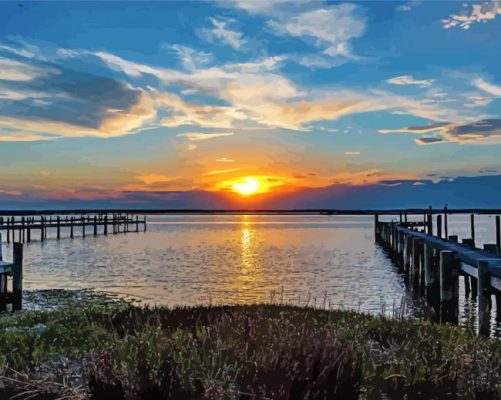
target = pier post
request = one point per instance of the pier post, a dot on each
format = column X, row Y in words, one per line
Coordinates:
column 439, row 226
column 491, row 248
column 58, row 227
column 28, row 230
column 429, row 273
column 144, row 222
column 42, row 228
column 82, row 219
column 472, row 228
column 17, row 277
column 95, row 225
column 3, row 282
column 449, row 287
column 484, row 298
column 407, row 257
column 20, row 233
column 446, row 225
column 106, row 224
column 430, row 221
column 376, row 218
column 498, row 234
column 72, row 222
column 415, row 270
column 468, row 243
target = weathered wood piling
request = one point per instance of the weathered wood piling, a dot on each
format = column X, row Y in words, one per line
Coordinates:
column 15, row 270
column 432, row 265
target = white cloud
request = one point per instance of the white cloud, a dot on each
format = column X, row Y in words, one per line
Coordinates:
column 351, row 153
column 12, row 70
column 484, row 12
column 221, row 33
column 332, row 29
column 409, row 80
column 264, row 6
column 225, row 160
column 190, row 58
column 490, row 88
column 196, row 136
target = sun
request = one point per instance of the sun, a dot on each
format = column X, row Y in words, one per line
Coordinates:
column 246, row 186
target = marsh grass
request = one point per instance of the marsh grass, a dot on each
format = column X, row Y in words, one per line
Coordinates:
column 241, row 352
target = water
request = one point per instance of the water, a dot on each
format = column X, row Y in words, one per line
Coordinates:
column 327, row 261
column 188, row 260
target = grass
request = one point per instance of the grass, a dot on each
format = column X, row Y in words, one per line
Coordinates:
column 91, row 349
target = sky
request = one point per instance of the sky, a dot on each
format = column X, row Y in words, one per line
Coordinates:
column 250, row 104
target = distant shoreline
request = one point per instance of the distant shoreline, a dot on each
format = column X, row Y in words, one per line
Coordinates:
column 156, row 211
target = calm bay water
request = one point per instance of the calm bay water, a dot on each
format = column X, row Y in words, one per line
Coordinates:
column 189, row 259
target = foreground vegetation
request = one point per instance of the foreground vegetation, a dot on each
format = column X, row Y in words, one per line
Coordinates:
column 90, row 349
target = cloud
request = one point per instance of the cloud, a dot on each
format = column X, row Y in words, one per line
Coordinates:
column 222, row 171
column 190, row 58
column 267, row 7
column 221, row 33
column 331, row 28
column 12, row 70
column 428, row 140
column 351, row 153
column 196, row 136
column 417, row 129
column 224, row 160
column 408, row 6
column 484, row 12
column 46, row 102
column 486, row 131
column 409, row 80
column 149, row 179
column 248, row 95
column 490, row 88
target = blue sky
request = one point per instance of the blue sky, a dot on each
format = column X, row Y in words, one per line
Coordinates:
column 108, row 102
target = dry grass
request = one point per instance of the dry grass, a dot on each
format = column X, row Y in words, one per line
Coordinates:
column 246, row 352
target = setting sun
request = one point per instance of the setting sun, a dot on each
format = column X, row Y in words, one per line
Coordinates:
column 246, row 186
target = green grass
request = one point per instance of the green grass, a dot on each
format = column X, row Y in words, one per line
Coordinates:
column 243, row 352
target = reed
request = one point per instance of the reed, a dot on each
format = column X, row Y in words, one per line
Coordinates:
column 245, row 352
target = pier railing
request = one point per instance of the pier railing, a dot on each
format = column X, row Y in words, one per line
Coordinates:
column 432, row 265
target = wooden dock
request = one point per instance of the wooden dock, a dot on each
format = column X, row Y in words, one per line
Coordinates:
column 433, row 262
column 20, row 228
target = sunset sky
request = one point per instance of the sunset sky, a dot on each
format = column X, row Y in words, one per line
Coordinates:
column 304, row 103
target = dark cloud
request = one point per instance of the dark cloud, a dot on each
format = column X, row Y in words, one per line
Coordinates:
column 428, row 140
column 483, row 128
column 428, row 127
column 66, row 96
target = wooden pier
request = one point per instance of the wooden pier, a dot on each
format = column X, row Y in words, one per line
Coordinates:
column 433, row 262
column 21, row 228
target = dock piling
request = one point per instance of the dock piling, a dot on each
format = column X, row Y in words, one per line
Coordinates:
column 484, row 298
column 449, row 287
column 17, row 277
column 498, row 234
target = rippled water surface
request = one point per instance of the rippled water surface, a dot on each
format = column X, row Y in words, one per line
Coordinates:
column 189, row 259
